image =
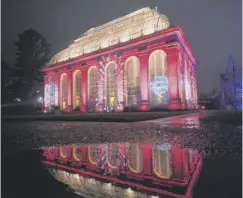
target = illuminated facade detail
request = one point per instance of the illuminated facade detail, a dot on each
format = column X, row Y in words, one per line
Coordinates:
column 77, row 89
column 111, row 85
column 137, row 60
column 112, row 154
column 64, row 91
column 158, row 78
column 132, row 81
column 52, row 93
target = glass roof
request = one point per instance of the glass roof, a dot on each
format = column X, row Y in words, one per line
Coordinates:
column 136, row 24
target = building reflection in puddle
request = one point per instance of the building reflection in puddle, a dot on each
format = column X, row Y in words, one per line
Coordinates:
column 125, row 169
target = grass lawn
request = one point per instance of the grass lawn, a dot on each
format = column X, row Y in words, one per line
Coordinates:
column 98, row 117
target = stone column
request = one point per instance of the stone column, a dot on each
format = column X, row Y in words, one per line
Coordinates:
column 180, row 76
column 70, row 90
column 144, row 86
column 84, row 79
column 172, row 61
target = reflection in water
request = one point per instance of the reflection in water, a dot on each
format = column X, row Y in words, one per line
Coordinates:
column 125, row 169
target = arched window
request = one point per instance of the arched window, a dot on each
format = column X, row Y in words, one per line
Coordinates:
column 162, row 161
column 92, row 86
column 135, row 157
column 64, row 91
column 158, row 78
column 111, row 88
column 76, row 89
column 132, row 72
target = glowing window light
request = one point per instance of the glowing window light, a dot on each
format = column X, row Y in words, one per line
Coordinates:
column 77, row 89
column 158, row 78
column 111, row 88
column 132, row 82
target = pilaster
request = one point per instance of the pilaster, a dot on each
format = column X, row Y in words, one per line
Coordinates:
column 143, row 59
column 172, row 61
column 70, row 90
column 84, row 79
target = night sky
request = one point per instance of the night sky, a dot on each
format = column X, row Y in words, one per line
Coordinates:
column 213, row 27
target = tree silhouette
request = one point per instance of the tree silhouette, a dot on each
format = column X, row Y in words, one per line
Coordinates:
column 32, row 54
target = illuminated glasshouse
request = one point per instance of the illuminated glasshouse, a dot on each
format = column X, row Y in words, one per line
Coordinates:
column 138, row 60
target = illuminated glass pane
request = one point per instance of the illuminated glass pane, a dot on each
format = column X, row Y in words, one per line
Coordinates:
column 158, row 78
column 92, row 86
column 132, row 82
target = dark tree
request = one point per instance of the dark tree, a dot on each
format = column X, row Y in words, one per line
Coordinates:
column 6, row 81
column 32, row 54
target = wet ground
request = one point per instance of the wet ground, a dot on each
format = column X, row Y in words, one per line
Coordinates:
column 219, row 143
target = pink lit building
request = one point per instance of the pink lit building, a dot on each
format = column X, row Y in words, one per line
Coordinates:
column 137, row 60
column 125, row 169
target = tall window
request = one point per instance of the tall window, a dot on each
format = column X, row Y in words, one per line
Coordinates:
column 132, row 81
column 92, row 87
column 93, row 83
column 158, row 78
column 162, row 161
column 111, row 88
column 64, row 91
column 77, row 89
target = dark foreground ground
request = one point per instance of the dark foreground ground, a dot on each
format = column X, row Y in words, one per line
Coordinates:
column 216, row 135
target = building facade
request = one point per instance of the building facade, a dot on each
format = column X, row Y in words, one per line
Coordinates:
column 138, row 61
